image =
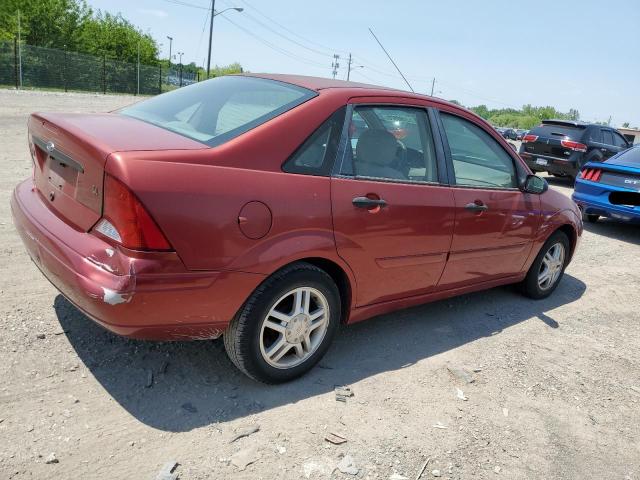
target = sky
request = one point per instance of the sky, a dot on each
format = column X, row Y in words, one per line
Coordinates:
column 582, row 54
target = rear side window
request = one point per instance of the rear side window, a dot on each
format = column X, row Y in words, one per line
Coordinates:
column 390, row 143
column 217, row 110
column 317, row 153
column 618, row 140
column 478, row 159
column 558, row 131
column 607, row 137
column 595, row 135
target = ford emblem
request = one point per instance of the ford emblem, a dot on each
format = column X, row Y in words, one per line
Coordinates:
column 50, row 147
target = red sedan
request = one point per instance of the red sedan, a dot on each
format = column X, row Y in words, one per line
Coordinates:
column 271, row 208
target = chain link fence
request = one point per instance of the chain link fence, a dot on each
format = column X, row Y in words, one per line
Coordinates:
column 26, row 66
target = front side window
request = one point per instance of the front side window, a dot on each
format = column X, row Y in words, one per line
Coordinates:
column 390, row 143
column 478, row 159
column 217, row 110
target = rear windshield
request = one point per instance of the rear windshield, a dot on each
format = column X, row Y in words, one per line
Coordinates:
column 217, row 110
column 627, row 157
column 558, row 131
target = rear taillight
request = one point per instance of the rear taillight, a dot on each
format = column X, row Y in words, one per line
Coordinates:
column 529, row 138
column 591, row 174
column 575, row 146
column 126, row 221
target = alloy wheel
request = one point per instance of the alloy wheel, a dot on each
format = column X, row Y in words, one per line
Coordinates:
column 551, row 266
column 294, row 327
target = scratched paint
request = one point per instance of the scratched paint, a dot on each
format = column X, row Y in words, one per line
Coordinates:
column 115, row 298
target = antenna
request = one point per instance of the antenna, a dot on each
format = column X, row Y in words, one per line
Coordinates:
column 391, row 59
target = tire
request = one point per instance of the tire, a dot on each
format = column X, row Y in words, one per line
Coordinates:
column 531, row 286
column 252, row 342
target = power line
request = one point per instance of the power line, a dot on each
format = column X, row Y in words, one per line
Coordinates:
column 391, row 60
column 187, row 4
column 328, row 50
column 360, row 59
column 267, row 27
column 275, row 47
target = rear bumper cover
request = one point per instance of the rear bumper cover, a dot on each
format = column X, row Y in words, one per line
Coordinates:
column 593, row 199
column 558, row 166
column 135, row 294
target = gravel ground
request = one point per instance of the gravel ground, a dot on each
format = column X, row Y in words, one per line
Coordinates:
column 551, row 388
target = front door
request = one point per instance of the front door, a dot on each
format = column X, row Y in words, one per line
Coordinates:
column 393, row 219
column 494, row 221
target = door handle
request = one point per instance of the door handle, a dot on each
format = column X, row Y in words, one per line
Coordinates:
column 476, row 207
column 366, row 202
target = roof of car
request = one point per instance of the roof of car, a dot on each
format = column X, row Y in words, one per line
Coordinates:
column 320, row 83
column 575, row 123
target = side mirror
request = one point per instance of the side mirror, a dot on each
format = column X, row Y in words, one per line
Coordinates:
column 535, row 184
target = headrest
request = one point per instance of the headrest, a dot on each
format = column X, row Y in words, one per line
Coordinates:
column 376, row 146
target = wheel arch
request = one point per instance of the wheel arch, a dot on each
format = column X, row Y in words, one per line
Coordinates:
column 338, row 274
column 572, row 234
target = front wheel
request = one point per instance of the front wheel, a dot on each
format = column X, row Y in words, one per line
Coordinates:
column 548, row 267
column 286, row 326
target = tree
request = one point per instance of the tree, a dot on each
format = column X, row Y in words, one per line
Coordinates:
column 115, row 37
column 625, row 125
column 44, row 23
column 481, row 110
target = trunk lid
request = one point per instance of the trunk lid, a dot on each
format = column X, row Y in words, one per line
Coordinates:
column 550, row 137
column 70, row 152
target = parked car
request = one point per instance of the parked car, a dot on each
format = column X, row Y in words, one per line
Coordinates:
column 563, row 147
column 241, row 206
column 610, row 188
column 510, row 134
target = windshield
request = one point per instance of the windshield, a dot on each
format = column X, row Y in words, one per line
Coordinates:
column 217, row 110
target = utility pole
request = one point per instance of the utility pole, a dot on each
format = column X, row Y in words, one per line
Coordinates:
column 335, row 65
column 19, row 52
column 170, row 42
column 433, row 85
column 213, row 9
column 349, row 68
column 138, row 71
column 181, row 53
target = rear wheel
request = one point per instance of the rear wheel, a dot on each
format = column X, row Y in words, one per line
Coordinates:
column 286, row 326
column 548, row 267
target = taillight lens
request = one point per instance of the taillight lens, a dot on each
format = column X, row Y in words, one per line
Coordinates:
column 529, row 138
column 575, row 146
column 126, row 221
column 591, row 174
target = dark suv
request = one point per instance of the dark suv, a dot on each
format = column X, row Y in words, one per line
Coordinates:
column 562, row 147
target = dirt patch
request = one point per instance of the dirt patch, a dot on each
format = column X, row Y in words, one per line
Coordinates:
column 487, row 385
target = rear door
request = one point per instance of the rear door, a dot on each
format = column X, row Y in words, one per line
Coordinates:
column 392, row 208
column 607, row 148
column 619, row 142
column 495, row 221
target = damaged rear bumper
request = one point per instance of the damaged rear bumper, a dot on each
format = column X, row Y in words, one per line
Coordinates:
column 146, row 295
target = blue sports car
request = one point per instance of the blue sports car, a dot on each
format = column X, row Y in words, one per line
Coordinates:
column 610, row 188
